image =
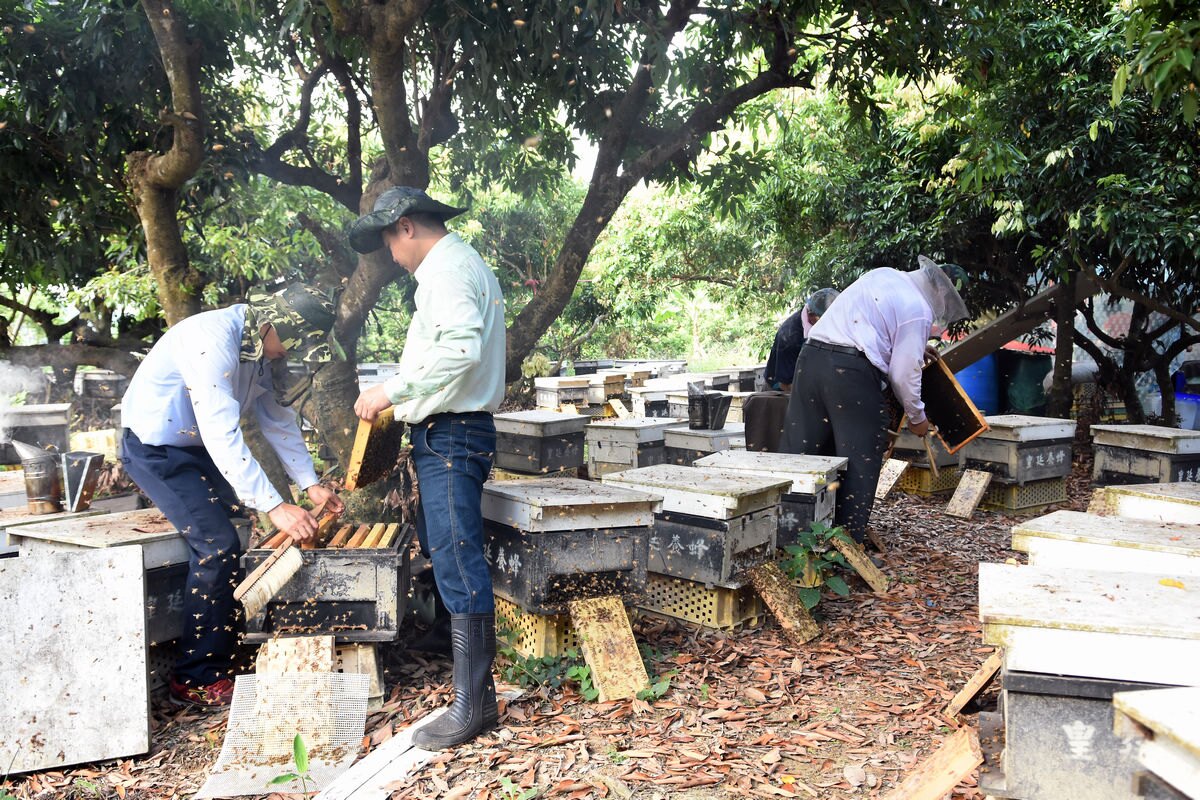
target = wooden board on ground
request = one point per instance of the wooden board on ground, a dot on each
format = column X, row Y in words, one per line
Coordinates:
column 862, row 564
column 889, row 476
column 1099, row 505
column 74, row 661
column 941, row 772
column 619, row 408
column 977, row 683
column 609, row 647
column 377, row 775
column 1072, row 540
column 1165, row 502
column 780, row 596
column 972, row 486
column 376, row 449
column 949, row 408
column 296, row 654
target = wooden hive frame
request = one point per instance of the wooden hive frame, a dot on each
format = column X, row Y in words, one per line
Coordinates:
column 949, row 408
column 376, row 449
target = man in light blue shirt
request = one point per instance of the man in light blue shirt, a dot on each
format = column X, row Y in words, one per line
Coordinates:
column 451, row 379
column 183, row 445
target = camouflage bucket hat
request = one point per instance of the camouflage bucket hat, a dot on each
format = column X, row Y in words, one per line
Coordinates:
column 365, row 233
column 302, row 316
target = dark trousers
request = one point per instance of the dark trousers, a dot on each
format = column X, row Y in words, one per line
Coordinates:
column 188, row 488
column 838, row 407
column 453, row 455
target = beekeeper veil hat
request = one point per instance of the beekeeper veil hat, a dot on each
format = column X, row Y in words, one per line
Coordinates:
column 939, row 284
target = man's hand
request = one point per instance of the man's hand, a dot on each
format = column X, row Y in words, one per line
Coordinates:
column 320, row 494
column 931, row 353
column 294, row 521
column 919, row 428
column 371, row 402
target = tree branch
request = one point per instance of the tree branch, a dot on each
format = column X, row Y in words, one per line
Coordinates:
column 1118, row 290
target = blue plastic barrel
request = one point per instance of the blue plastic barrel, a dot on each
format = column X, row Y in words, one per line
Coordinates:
column 981, row 382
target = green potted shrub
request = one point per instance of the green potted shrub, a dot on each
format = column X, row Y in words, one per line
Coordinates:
column 813, row 562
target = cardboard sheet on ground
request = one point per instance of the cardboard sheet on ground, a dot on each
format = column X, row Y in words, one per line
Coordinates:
column 74, row 667
column 327, row 709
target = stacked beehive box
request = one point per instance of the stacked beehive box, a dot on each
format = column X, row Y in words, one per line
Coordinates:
column 713, row 525
column 684, row 445
column 812, row 496
column 649, row 401
column 554, row 393
column 165, row 555
column 920, row 478
column 539, row 443
column 1029, row 458
column 1144, row 453
column 614, row 445
column 553, row 540
column 1106, row 605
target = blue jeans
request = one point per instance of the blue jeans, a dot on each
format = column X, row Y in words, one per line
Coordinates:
column 190, row 491
column 453, row 455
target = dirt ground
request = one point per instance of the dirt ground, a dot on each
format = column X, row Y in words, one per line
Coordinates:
column 746, row 715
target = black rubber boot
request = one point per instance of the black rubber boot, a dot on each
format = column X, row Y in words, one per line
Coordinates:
column 473, row 639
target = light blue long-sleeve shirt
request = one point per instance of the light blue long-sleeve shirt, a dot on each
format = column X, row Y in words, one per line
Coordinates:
column 192, row 389
column 453, row 359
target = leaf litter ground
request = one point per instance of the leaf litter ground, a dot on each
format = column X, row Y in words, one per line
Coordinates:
column 747, row 714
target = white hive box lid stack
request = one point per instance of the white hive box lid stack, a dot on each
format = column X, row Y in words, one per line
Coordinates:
column 715, row 494
column 808, row 474
column 1155, row 438
column 1072, row 540
column 1168, row 722
column 565, row 504
column 1164, row 502
column 1113, row 625
column 540, row 422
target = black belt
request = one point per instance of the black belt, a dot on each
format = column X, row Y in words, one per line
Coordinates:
column 835, row 348
column 453, row 415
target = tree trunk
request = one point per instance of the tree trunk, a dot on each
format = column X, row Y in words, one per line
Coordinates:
column 156, row 178
column 1166, row 389
column 1061, row 394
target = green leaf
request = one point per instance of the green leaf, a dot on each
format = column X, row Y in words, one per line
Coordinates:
column 300, row 753
column 810, row 597
column 288, row 778
column 1119, row 82
column 1189, row 106
column 838, row 585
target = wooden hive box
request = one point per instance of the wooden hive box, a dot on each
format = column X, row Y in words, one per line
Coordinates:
column 712, row 552
column 1019, row 449
column 358, row 594
column 812, row 496
column 1113, row 625
column 709, row 493
column 685, row 445
column 649, row 401
column 552, row 540
column 539, row 441
column 554, row 392
column 602, row 386
column 619, row 444
column 911, row 448
column 1165, row 724
column 1165, row 502
column 736, row 401
column 165, row 555
column 1138, row 453
column 1071, row 540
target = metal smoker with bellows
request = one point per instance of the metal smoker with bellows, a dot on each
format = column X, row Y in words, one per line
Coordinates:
column 58, row 482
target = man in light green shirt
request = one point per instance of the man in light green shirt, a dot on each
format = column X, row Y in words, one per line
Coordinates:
column 451, row 379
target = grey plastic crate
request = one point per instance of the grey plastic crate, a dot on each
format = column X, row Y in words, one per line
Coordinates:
column 542, row 571
column 709, row 551
column 355, row 594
